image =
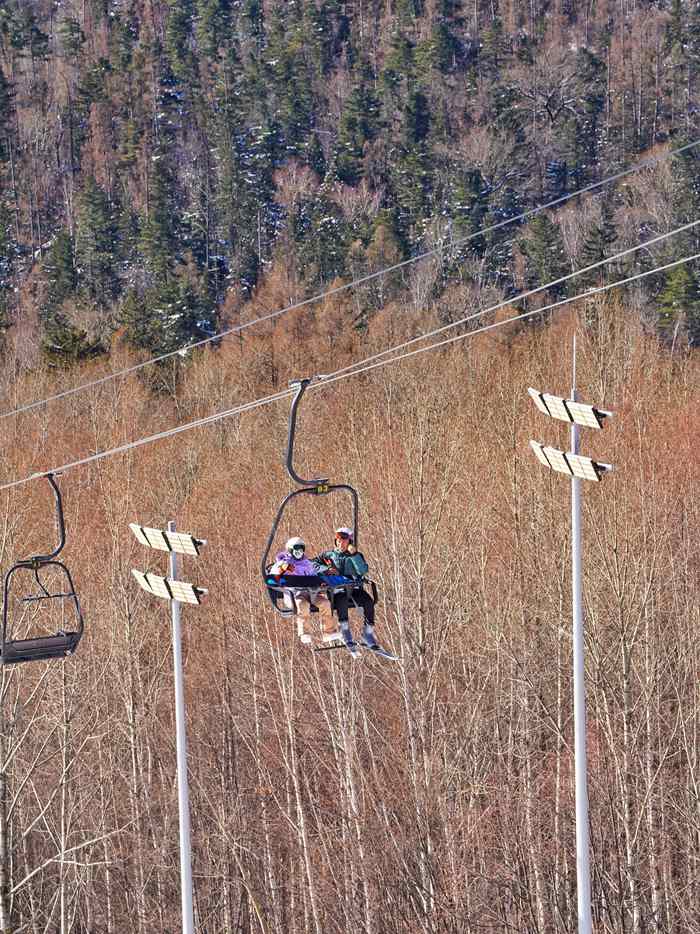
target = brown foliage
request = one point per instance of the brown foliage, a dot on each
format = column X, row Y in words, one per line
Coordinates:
column 435, row 795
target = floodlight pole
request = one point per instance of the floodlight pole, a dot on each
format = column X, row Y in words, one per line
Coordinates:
column 583, row 872
column 181, row 737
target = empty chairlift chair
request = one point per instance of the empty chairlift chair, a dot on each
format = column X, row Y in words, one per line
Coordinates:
column 14, row 650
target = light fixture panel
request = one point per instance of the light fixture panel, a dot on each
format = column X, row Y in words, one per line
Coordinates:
column 181, row 542
column 573, row 465
column 159, row 586
column 539, row 451
column 186, row 593
column 557, row 460
column 566, row 410
column 557, row 407
column 587, row 415
column 587, row 469
column 140, row 534
column 141, row 581
column 156, row 539
column 537, row 399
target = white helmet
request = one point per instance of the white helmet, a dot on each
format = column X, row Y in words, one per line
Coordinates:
column 295, row 542
column 344, row 532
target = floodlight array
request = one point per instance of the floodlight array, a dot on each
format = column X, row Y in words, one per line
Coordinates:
column 180, row 542
column 169, row 589
column 573, row 465
column 567, row 410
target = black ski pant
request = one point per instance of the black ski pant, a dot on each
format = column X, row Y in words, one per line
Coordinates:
column 359, row 597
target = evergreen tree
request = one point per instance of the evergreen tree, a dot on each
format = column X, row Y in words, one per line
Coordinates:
column 679, row 305
column 7, row 254
column 597, row 245
column 581, row 130
column 71, row 37
column 213, row 26
column 158, row 243
column 64, row 344
column 95, row 241
column 359, row 124
column 60, row 272
column 399, row 64
column 545, row 255
column 6, row 110
column 416, row 117
column 315, row 157
column 495, row 48
column 465, row 202
column 63, row 341
column 290, row 77
column 178, row 41
column 321, row 237
column 170, row 315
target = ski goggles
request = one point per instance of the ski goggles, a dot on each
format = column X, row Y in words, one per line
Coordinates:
column 298, row 550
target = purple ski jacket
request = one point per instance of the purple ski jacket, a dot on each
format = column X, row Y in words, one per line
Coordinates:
column 303, row 568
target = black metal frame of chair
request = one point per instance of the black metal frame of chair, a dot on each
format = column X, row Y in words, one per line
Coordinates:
column 48, row 647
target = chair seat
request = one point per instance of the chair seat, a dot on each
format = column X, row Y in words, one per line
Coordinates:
column 43, row 648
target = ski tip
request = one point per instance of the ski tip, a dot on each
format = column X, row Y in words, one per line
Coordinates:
column 382, row 653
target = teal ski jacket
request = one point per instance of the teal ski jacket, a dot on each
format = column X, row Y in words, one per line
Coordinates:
column 345, row 564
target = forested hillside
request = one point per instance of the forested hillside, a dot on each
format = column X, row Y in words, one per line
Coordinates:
column 160, row 157
column 172, row 169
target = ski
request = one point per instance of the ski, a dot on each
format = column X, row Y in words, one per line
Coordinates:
column 376, row 649
column 352, row 647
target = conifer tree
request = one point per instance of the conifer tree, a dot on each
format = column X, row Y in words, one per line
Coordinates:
column 178, row 48
column 321, row 237
column 158, row 242
column 315, row 157
column 63, row 342
column 359, row 123
column 212, row 26
column 7, row 250
column 679, row 305
column 95, row 241
column 59, row 271
column 597, row 244
column 545, row 255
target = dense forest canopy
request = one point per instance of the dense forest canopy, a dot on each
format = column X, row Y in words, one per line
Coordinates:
column 159, row 157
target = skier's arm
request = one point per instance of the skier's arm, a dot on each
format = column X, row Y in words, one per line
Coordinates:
column 325, row 563
column 358, row 564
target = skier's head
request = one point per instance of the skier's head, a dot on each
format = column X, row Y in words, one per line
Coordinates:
column 296, row 547
column 343, row 537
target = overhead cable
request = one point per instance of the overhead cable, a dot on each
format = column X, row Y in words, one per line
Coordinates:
column 294, row 306
column 371, row 363
column 519, row 298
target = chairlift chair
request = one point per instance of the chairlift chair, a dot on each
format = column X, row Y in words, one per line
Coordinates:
column 278, row 588
column 63, row 643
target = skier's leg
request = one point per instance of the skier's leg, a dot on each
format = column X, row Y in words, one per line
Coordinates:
column 303, row 622
column 328, row 624
column 362, row 599
column 341, row 605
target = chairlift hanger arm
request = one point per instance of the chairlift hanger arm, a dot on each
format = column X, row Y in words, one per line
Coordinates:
column 301, row 385
column 60, row 524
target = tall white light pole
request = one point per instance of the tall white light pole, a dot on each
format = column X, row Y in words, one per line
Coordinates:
column 583, row 869
column 177, row 592
column 183, row 798
column 578, row 468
